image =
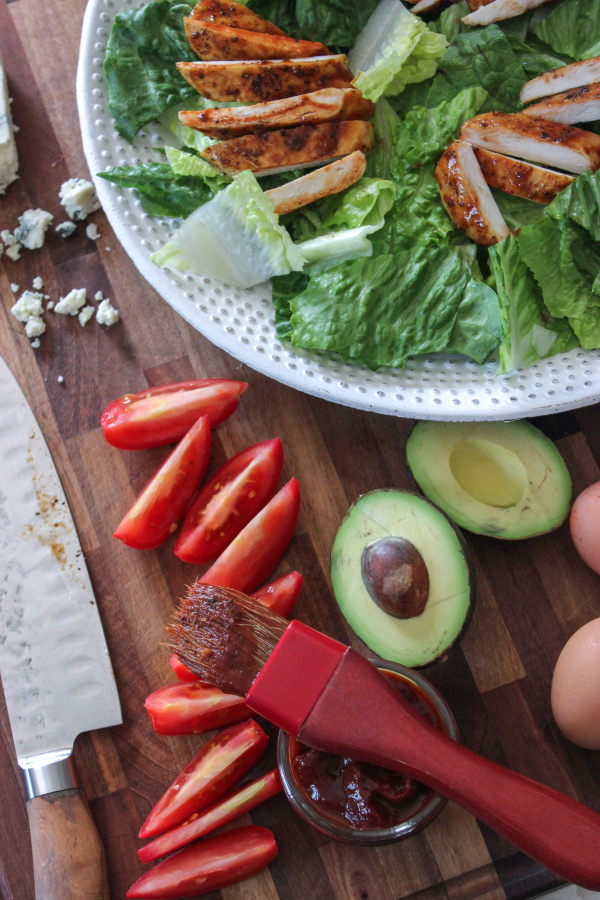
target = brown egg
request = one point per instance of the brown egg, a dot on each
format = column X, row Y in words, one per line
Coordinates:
column 585, row 526
column 576, row 687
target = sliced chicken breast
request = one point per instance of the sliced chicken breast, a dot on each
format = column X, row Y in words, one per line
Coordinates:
column 424, row 7
column 522, row 179
column 475, row 4
column 331, row 179
column 290, row 148
column 549, row 143
column 579, row 105
column 328, row 105
column 236, row 15
column 500, row 9
column 466, row 196
column 577, row 74
column 214, row 42
column 259, row 80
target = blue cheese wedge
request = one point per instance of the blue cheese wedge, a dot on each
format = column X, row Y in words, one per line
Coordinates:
column 9, row 162
column 79, row 198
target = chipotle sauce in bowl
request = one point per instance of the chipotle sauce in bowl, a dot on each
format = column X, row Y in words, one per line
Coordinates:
column 361, row 802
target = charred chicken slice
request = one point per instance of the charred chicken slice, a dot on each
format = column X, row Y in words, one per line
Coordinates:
column 259, row 81
column 214, row 42
column 236, row 15
column 565, row 78
column 549, row 143
column 579, row 105
column 331, row 179
column 487, row 13
column 466, row 196
column 522, row 179
column 290, row 148
column 328, row 105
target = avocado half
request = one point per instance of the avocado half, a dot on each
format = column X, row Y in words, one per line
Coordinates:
column 421, row 639
column 503, row 479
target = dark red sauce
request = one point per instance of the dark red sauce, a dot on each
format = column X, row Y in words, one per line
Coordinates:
column 357, row 794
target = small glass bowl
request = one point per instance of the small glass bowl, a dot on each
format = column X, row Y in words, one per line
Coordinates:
column 433, row 803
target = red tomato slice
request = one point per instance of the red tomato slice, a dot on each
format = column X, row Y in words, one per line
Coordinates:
column 158, row 510
column 208, row 866
column 182, row 672
column 217, row 767
column 281, row 595
column 231, row 807
column 226, row 503
column 252, row 556
column 193, row 708
column 163, row 414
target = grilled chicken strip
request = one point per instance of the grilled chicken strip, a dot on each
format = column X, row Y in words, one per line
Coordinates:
column 328, row 105
column 543, row 142
column 487, row 13
column 236, row 15
column 290, row 148
column 423, row 7
column 214, row 42
column 262, row 80
column 331, row 179
column 467, row 198
column 565, row 78
column 579, row 105
column 522, row 179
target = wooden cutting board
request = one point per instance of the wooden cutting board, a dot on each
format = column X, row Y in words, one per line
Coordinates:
column 532, row 595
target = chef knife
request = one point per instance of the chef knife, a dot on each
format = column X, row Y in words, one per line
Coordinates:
column 56, row 671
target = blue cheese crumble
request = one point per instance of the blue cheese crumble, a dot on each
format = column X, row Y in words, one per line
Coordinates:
column 79, row 198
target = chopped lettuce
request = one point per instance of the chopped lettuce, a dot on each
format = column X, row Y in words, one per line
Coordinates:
column 364, row 203
column 385, row 124
column 480, row 57
column 450, row 22
column 184, row 163
column 532, row 55
column 580, row 202
column 162, row 191
column 142, row 50
column 336, row 23
column 280, row 12
column 329, row 250
column 235, row 238
column 572, row 27
column 384, row 309
column 478, row 328
column 394, row 49
column 529, row 332
column 517, row 211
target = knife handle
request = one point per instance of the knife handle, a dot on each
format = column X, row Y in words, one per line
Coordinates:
column 68, row 856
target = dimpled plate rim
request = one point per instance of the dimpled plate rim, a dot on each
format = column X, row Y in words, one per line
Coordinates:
column 434, row 386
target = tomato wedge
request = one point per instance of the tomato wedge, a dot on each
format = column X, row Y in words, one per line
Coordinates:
column 158, row 510
column 254, row 553
column 217, row 767
column 182, row 672
column 193, row 708
column 281, row 595
column 226, row 810
column 226, row 503
column 162, row 415
column 208, row 866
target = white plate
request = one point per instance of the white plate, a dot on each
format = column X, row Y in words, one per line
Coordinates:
column 242, row 322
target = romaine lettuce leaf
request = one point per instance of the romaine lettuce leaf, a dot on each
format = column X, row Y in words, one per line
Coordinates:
column 284, row 289
column 533, row 57
column 478, row 327
column 364, row 203
column 329, row 250
column 580, row 202
column 381, row 310
column 573, row 27
column 385, row 125
column 235, row 238
column 394, row 49
column 336, row 23
column 529, row 332
column 547, row 248
column 142, row 50
column 517, row 211
column 161, row 190
column 480, row 57
column 184, row 163
column 587, row 328
column 280, row 12
column 449, row 23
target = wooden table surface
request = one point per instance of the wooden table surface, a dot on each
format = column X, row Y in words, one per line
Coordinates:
column 532, row 594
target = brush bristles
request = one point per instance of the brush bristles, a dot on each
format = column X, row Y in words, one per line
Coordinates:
column 224, row 637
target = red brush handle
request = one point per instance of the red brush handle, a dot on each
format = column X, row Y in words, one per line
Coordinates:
column 361, row 715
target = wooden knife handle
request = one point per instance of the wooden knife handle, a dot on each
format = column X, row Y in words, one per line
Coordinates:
column 68, row 856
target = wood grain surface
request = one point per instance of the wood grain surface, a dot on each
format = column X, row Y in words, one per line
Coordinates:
column 532, row 594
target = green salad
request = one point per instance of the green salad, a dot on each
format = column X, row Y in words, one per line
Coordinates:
column 379, row 273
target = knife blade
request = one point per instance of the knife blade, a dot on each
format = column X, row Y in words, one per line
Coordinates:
column 56, row 672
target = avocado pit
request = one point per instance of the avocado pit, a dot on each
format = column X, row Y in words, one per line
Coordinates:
column 395, row 576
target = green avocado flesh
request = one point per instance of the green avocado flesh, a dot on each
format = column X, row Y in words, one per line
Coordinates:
column 504, row 479
column 421, row 639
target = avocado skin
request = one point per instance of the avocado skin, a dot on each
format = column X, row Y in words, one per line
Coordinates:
column 489, row 530
column 465, row 553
